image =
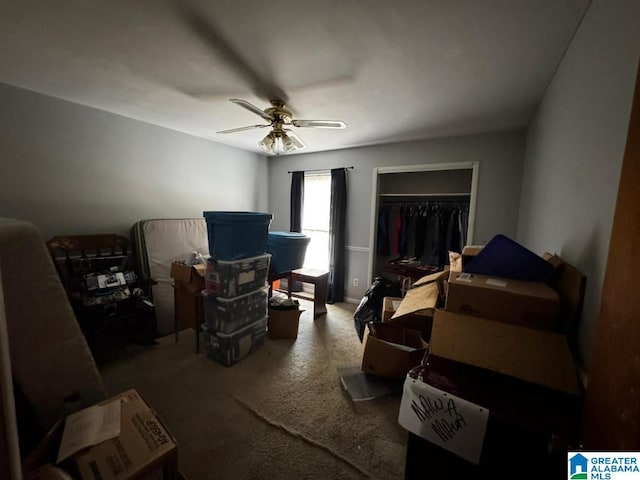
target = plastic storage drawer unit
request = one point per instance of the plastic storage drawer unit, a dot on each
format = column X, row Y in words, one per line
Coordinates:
column 287, row 250
column 226, row 315
column 236, row 235
column 230, row 279
column 230, row 348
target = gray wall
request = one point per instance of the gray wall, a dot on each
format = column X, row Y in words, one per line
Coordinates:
column 575, row 147
column 73, row 169
column 500, row 156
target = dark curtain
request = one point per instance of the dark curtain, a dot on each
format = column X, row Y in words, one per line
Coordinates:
column 297, row 201
column 337, row 234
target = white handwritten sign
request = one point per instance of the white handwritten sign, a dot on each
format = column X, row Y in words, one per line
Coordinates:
column 450, row 422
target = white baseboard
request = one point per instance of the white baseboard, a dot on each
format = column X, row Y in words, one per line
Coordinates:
column 352, row 300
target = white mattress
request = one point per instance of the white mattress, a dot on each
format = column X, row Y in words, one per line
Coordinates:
column 167, row 240
column 50, row 358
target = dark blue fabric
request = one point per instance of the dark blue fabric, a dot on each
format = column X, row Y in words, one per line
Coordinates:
column 504, row 257
column 297, row 202
column 382, row 247
column 420, row 234
column 337, row 235
column 403, row 240
column 432, row 239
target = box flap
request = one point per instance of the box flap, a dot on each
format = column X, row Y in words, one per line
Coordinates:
column 89, row 427
column 434, row 277
column 532, row 355
column 180, row 271
column 471, row 250
column 422, row 299
column 570, row 284
column 200, row 269
column 187, row 273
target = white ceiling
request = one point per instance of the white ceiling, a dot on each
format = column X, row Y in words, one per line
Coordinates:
column 392, row 70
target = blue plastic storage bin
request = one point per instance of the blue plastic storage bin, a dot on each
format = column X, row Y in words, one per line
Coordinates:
column 237, row 235
column 287, row 250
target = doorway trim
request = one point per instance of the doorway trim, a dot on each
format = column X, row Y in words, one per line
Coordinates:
column 377, row 171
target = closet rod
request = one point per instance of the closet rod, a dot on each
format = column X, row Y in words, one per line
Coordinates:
column 426, row 195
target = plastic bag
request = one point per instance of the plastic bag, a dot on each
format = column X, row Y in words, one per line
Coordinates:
column 370, row 307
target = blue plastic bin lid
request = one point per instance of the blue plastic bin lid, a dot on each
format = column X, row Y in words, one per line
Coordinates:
column 503, row 257
column 287, row 239
column 237, row 217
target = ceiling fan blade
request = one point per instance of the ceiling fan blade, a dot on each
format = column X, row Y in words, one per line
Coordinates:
column 251, row 107
column 241, row 129
column 319, row 123
column 209, row 34
column 299, row 144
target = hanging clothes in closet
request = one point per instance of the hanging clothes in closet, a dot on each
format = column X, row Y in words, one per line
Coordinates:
column 424, row 231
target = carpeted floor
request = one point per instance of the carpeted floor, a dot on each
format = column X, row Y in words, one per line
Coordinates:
column 280, row 413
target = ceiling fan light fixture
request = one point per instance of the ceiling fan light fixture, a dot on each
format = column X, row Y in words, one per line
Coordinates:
column 281, row 140
column 287, row 144
column 268, row 144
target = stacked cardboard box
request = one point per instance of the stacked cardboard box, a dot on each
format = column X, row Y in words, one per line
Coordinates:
column 499, row 350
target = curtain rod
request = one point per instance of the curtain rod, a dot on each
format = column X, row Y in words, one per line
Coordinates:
column 320, row 170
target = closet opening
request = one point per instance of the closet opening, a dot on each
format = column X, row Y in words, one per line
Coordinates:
column 419, row 214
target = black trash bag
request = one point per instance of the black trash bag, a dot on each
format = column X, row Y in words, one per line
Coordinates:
column 370, row 307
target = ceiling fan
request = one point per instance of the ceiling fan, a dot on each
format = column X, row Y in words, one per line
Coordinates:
column 280, row 139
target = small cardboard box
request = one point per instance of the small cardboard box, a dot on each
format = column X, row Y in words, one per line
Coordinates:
column 191, row 277
column 284, row 323
column 391, row 350
column 143, row 449
column 536, row 356
column 531, row 304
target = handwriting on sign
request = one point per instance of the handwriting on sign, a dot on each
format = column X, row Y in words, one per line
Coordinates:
column 445, row 419
column 451, row 422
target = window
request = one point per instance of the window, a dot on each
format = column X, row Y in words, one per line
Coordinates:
column 315, row 218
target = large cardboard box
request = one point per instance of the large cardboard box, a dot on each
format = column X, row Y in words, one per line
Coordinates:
column 189, row 282
column 521, row 418
column 284, row 323
column 531, row 304
column 144, row 449
column 533, row 355
column 391, row 350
